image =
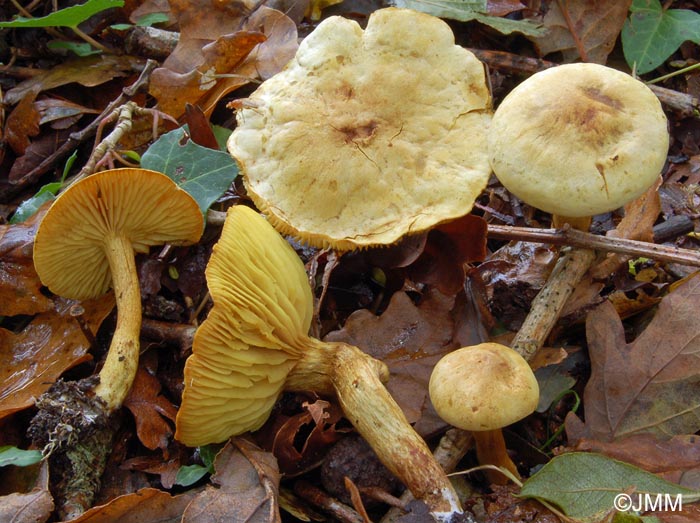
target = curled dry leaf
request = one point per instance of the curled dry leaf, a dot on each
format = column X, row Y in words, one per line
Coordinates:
column 147, row 504
column 213, row 56
column 247, row 480
column 52, row 343
column 150, row 409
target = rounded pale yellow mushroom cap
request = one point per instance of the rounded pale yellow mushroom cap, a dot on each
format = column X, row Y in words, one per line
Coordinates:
column 144, row 206
column 369, row 135
column 483, row 387
column 253, row 336
column 578, row 140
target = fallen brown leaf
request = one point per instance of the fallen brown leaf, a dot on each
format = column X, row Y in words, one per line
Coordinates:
column 649, row 385
column 247, row 480
column 53, row 342
column 20, row 288
column 29, row 507
column 150, row 410
column 596, row 24
column 22, row 123
column 148, row 504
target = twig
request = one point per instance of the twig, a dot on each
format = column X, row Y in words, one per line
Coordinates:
column 78, row 137
column 576, row 238
column 320, row 499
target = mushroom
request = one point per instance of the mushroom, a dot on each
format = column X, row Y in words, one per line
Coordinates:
column 575, row 140
column 367, row 136
column 86, row 244
column 254, row 344
column 484, row 388
column 578, row 140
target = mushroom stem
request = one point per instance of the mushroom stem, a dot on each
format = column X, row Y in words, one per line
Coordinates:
column 491, row 449
column 119, row 370
column 356, row 379
column 550, row 301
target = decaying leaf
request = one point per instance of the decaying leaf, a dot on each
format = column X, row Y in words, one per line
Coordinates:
column 29, row 507
column 150, row 409
column 53, row 342
column 647, row 386
column 88, row 71
column 22, row 123
column 147, row 504
column 596, row 24
column 213, row 56
column 247, row 480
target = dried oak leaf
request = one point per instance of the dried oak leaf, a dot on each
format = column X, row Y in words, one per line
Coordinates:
column 650, row 385
column 150, row 410
column 33, row 359
column 19, row 284
column 596, row 23
column 410, row 339
column 25, row 507
column 147, row 504
column 22, row 124
column 88, row 71
column 247, row 482
column 220, row 49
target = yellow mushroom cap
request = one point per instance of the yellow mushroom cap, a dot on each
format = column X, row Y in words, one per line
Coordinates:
column 144, row 206
column 369, row 135
column 578, row 140
column 253, row 335
column 483, row 387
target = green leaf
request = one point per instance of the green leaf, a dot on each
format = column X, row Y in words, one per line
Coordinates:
column 190, row 474
column 208, row 454
column 468, row 10
column 79, row 48
column 29, row 207
column 18, row 457
column 202, row 172
column 150, row 19
column 651, row 34
column 585, row 485
column 68, row 17
column 553, row 381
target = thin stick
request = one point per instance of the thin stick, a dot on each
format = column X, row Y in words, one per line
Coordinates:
column 585, row 240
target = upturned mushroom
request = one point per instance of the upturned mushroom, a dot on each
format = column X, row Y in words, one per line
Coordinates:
column 254, row 344
column 484, row 388
column 575, row 140
column 86, row 243
column 367, row 136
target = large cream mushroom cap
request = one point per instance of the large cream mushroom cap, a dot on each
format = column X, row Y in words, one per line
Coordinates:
column 483, row 387
column 578, row 140
column 144, row 206
column 369, row 135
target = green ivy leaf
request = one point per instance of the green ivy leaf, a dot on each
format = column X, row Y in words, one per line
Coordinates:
column 68, row 17
column 20, row 458
column 79, row 48
column 584, row 485
column 651, row 34
column 202, row 172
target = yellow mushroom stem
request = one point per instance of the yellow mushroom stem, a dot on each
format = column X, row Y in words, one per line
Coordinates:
column 491, row 450
column 356, row 379
column 117, row 374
